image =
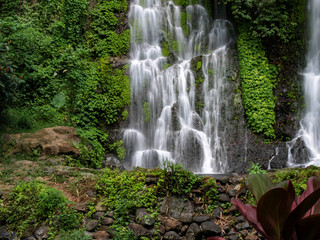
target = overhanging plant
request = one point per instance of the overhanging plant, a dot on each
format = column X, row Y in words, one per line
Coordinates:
column 281, row 214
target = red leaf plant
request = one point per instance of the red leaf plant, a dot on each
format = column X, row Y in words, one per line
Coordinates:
column 281, row 214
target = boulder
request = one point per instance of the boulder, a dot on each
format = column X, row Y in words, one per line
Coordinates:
column 51, row 141
column 172, row 235
column 144, row 218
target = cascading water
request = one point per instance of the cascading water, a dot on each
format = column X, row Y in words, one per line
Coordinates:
column 309, row 131
column 178, row 111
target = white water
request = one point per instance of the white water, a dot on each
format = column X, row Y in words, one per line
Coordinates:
column 309, row 131
column 170, row 119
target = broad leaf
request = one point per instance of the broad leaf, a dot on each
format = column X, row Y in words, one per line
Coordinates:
column 273, row 210
column 308, row 228
column 259, row 184
column 300, row 211
column 250, row 213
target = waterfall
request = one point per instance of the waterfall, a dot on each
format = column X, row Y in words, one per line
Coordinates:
column 178, row 82
column 309, row 131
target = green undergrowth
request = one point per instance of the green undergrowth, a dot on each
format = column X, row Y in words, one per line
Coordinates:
column 32, row 203
column 258, row 81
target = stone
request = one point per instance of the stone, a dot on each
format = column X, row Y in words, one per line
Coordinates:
column 51, row 162
column 4, row 234
column 217, row 212
column 174, row 206
column 52, row 141
column 210, row 227
column 241, row 219
column 231, row 192
column 201, row 218
column 193, row 231
column 62, row 172
column 30, row 238
column 246, row 225
column 139, row 230
column 23, row 163
column 101, row 235
column 186, row 217
column 100, row 208
column 48, row 170
column 80, row 207
column 222, row 178
column 110, row 214
column 42, row 232
column 151, row 180
column 170, row 223
column 172, row 235
column 91, row 192
column 233, row 237
column 143, row 217
column 98, row 215
column 107, row 221
column 184, row 229
column 111, row 161
column 91, row 225
column 223, row 197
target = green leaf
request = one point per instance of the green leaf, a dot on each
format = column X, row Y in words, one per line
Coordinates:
column 259, row 184
column 59, row 100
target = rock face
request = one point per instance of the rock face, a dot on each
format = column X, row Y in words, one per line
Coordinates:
column 50, row 141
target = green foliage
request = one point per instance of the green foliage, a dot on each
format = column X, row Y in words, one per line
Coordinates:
column 73, row 235
column 118, row 147
column 91, row 148
column 183, row 22
column 258, row 80
column 123, row 192
column 176, row 180
column 199, row 64
column 165, row 49
column 102, row 38
column 255, row 168
column 274, row 19
column 124, row 234
column 146, row 112
column 210, row 195
column 31, row 203
column 298, row 177
column 59, row 100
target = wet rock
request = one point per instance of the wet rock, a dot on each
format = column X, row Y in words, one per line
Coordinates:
column 111, row 161
column 172, row 235
column 216, row 212
column 42, row 232
column 184, row 229
column 231, row 192
column 144, row 218
column 246, row 225
column 201, row 218
column 91, row 225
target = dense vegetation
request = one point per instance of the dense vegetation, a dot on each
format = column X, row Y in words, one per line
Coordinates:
column 56, row 67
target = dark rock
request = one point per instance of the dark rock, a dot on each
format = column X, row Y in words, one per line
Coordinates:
column 100, row 208
column 231, row 192
column 222, row 178
column 193, row 231
column 223, row 197
column 98, row 215
column 233, row 237
column 231, row 232
column 174, row 206
column 186, row 217
column 238, row 226
column 246, row 225
column 144, row 218
column 184, row 229
column 201, row 218
column 151, row 180
column 241, row 219
column 42, row 232
column 107, row 221
column 91, row 225
column 172, row 235
column 217, row 212
column 30, row 238
column 139, row 230
column 210, row 227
